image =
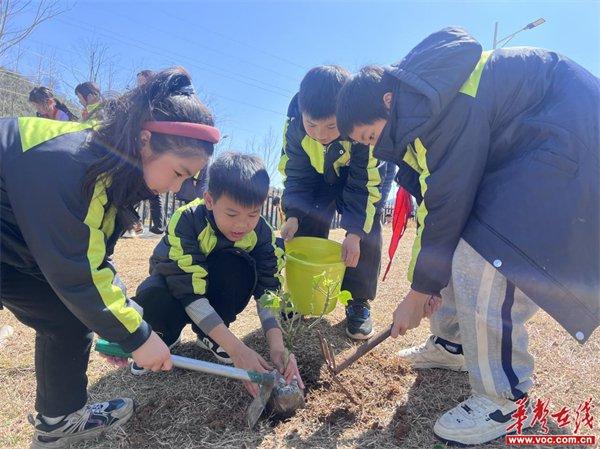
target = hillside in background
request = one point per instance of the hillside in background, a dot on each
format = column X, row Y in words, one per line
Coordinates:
column 14, row 94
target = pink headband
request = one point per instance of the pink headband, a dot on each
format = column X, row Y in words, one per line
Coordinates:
column 184, row 129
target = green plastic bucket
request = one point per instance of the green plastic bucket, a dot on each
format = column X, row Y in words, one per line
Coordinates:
column 307, row 257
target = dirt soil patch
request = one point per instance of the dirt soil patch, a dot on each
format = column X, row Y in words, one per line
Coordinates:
column 396, row 406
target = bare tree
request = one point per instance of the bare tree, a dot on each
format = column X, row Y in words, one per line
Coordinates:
column 109, row 74
column 221, row 121
column 16, row 55
column 99, row 65
column 12, row 12
column 47, row 72
column 96, row 56
column 269, row 149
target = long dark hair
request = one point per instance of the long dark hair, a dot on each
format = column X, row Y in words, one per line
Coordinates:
column 168, row 96
column 42, row 94
column 87, row 88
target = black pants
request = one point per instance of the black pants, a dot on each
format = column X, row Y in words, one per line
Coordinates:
column 157, row 214
column 230, row 284
column 360, row 281
column 62, row 342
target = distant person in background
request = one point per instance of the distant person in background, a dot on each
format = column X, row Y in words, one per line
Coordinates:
column 90, row 98
column 48, row 106
column 193, row 187
column 388, row 218
column 144, row 76
column 279, row 213
column 157, row 214
column 415, row 205
column 137, row 228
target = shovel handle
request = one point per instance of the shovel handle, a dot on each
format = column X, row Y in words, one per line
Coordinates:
column 363, row 349
column 113, row 349
column 222, row 370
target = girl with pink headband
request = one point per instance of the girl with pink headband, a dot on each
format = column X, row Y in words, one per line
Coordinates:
column 68, row 195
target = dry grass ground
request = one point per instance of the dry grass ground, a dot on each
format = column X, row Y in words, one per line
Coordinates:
column 398, row 406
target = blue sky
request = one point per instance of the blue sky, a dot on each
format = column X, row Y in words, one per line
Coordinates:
column 247, row 58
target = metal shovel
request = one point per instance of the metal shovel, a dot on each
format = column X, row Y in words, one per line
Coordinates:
column 266, row 381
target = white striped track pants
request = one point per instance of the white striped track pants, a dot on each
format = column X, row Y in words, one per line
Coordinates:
column 485, row 313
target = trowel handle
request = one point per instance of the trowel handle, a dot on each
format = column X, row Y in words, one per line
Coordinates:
column 363, row 349
column 113, row 349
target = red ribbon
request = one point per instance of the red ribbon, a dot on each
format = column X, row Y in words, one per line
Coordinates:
column 402, row 210
column 185, row 129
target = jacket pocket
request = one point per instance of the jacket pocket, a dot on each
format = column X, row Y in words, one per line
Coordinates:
column 557, row 161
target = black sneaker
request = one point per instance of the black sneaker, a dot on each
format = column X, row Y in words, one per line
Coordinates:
column 156, row 230
column 87, row 423
column 359, row 325
column 290, row 317
column 205, row 342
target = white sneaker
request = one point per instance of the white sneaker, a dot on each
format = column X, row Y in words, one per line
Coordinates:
column 477, row 420
column 139, row 371
column 433, row 355
column 5, row 333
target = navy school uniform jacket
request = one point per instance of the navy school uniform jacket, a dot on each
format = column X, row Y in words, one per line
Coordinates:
column 51, row 230
column 501, row 148
column 181, row 255
column 342, row 171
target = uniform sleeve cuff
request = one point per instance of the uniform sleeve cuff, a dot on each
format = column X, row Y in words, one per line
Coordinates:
column 432, row 289
column 294, row 213
column 268, row 324
column 210, row 322
column 187, row 300
column 357, row 231
column 137, row 339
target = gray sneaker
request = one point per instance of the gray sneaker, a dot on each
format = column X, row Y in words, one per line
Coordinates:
column 89, row 422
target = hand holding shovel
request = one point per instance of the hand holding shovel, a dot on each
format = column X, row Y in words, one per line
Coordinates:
column 266, row 381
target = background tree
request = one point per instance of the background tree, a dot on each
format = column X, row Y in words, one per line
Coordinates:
column 18, row 19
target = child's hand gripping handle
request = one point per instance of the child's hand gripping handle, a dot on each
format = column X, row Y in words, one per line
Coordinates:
column 114, row 350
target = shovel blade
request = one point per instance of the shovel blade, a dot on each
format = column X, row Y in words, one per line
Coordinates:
column 258, row 404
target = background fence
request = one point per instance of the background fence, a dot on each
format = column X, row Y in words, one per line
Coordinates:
column 269, row 210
